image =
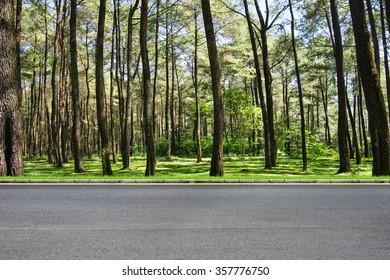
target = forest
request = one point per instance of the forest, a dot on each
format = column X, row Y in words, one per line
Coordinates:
column 111, row 81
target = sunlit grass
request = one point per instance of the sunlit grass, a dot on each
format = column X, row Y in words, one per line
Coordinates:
column 235, row 168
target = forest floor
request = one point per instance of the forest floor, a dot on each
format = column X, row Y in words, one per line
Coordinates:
column 235, row 168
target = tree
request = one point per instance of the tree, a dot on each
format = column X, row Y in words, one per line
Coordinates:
column 342, row 94
column 216, row 168
column 196, row 91
column 129, row 87
column 377, row 116
column 100, row 92
column 267, row 148
column 147, row 95
column 76, row 132
column 300, row 93
column 11, row 163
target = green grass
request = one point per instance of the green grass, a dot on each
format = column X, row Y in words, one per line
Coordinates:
column 239, row 168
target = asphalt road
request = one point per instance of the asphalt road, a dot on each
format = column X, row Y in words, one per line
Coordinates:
column 195, row 222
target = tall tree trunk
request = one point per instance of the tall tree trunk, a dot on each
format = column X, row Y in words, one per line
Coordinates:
column 342, row 93
column 19, row 7
column 172, row 104
column 167, row 131
column 147, row 95
column 385, row 54
column 45, row 98
column 112, row 84
column 301, row 106
column 11, row 162
column 377, row 116
column 89, row 125
column 196, row 89
column 76, row 131
column 286, row 111
column 129, row 89
column 119, row 74
column 374, row 36
column 100, row 95
column 62, row 133
column 216, row 168
column 156, row 54
column 56, row 127
column 267, row 150
column 267, row 81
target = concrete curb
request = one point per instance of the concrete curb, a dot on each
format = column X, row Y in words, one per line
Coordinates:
column 194, row 181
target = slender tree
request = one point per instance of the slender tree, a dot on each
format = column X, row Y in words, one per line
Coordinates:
column 147, row 95
column 377, row 116
column 100, row 95
column 129, row 88
column 267, row 149
column 216, row 168
column 196, row 90
column 74, row 75
column 11, row 162
column 342, row 94
column 300, row 92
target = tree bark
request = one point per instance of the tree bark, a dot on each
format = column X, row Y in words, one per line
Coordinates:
column 112, row 84
column 385, row 54
column 74, row 76
column 167, row 131
column 100, row 95
column 267, row 149
column 267, row 81
column 300, row 93
column 196, row 89
column 11, row 162
column 374, row 36
column 216, row 168
column 377, row 116
column 46, row 100
column 147, row 95
column 56, row 127
column 129, row 88
column 344, row 164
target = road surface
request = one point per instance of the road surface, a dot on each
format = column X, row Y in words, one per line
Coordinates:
column 195, row 222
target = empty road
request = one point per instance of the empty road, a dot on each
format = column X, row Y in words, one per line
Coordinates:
column 195, row 222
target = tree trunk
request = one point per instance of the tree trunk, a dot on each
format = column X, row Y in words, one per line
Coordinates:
column 129, row 89
column 156, row 54
column 374, row 36
column 100, row 95
column 112, row 105
column 56, row 127
column 197, row 107
column 216, row 168
column 11, row 162
column 172, row 104
column 342, row 94
column 46, row 100
column 167, row 131
column 89, row 125
column 303, row 133
column 385, row 54
column 267, row 150
column 267, row 82
column 377, row 116
column 74, row 76
column 147, row 95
